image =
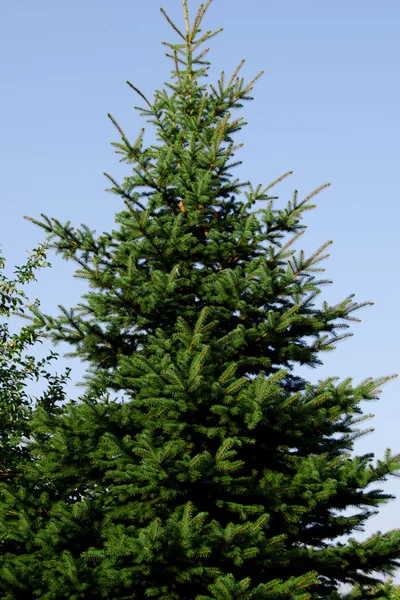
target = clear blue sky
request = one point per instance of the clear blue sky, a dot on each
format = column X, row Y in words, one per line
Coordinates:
column 327, row 107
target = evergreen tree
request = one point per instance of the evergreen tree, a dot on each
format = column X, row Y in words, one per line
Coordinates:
column 222, row 474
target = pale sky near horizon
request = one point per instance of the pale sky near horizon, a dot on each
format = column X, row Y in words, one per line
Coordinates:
column 327, row 107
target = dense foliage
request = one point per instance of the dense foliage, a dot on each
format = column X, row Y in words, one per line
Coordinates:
column 19, row 369
column 221, row 474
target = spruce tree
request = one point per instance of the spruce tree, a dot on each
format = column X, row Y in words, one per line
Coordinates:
column 222, row 474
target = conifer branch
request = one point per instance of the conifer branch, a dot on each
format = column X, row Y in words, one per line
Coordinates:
column 200, row 14
column 197, row 59
column 140, row 94
column 177, row 68
column 207, row 36
column 275, row 182
column 236, row 71
column 172, row 24
column 314, row 193
column 122, row 192
column 186, row 15
column 114, row 122
column 250, row 86
column 288, row 244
